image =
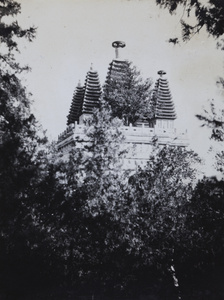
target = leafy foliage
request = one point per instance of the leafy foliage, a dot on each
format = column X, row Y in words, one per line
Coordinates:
column 18, row 126
column 19, row 144
column 157, row 198
column 128, row 95
column 209, row 15
column 213, row 119
column 160, row 190
column 202, row 266
column 10, row 34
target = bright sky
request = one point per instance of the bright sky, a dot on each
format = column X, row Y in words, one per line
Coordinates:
column 72, row 34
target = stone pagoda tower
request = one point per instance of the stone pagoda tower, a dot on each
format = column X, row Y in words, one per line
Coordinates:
column 76, row 106
column 164, row 107
column 92, row 93
column 85, row 98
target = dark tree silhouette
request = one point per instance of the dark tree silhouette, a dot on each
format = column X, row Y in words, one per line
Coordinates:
column 209, row 15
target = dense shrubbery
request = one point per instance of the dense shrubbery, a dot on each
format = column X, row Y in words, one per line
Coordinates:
column 84, row 229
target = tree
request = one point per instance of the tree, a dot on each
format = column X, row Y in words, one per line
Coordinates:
column 18, row 125
column 212, row 118
column 77, row 210
column 129, row 95
column 158, row 195
column 209, row 15
column 99, row 188
column 9, row 35
column 19, row 144
column 202, row 267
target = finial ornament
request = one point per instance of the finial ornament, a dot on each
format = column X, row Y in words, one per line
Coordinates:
column 116, row 45
column 161, row 73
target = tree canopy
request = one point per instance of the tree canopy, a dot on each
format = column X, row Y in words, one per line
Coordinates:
column 10, row 33
column 129, row 95
column 209, row 15
column 19, row 144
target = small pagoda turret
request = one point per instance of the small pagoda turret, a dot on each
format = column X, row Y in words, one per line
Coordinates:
column 164, row 107
column 92, row 92
column 76, row 105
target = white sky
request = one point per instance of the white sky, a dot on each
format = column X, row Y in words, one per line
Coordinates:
column 72, row 34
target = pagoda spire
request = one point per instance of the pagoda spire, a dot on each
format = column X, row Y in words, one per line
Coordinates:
column 76, row 105
column 118, row 66
column 92, row 91
column 163, row 99
column 117, row 45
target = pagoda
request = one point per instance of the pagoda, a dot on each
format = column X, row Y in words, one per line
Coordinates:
column 164, row 114
column 76, row 106
column 139, row 137
column 118, row 66
column 85, row 98
column 92, row 92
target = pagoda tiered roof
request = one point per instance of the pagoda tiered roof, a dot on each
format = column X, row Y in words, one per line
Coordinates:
column 85, row 98
column 164, row 104
column 76, row 106
column 92, row 92
column 117, row 69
